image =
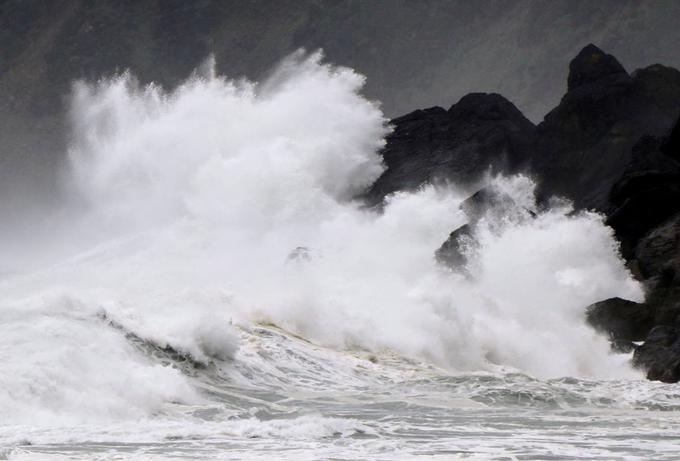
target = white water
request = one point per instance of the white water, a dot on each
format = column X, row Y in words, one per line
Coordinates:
column 200, row 213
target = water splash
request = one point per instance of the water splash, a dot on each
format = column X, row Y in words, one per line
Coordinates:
column 196, row 199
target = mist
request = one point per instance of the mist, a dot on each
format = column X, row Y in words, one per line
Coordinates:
column 225, row 203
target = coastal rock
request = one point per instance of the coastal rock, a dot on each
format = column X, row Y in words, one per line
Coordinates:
column 489, row 202
column 672, row 145
column 658, row 253
column 484, row 200
column 592, row 66
column 621, row 319
column 612, row 145
column 451, row 253
column 584, row 145
column 481, row 133
column 647, row 193
column 658, row 257
column 659, row 356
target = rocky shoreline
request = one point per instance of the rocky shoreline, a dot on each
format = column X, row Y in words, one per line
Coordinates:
column 612, row 145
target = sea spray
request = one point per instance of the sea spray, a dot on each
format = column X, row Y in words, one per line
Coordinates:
column 190, row 203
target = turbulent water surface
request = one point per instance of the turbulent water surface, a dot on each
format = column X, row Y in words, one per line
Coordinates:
column 212, row 289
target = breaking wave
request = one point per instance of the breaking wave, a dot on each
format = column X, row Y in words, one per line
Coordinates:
column 198, row 212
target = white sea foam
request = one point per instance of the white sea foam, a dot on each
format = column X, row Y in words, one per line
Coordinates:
column 228, row 202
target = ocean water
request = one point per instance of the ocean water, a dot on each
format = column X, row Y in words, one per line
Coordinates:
column 284, row 398
column 211, row 289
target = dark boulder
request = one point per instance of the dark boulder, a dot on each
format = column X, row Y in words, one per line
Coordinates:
column 481, row 133
column 659, row 356
column 621, row 319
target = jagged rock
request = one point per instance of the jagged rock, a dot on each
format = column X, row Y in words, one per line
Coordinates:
column 451, row 252
column 480, row 133
column 647, row 193
column 621, row 319
column 658, row 84
column 579, row 151
column 658, row 253
column 603, row 147
column 672, row 145
column 659, row 356
column 488, row 201
column 584, row 145
column 591, row 66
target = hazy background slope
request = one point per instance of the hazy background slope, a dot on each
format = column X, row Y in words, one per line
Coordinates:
column 415, row 54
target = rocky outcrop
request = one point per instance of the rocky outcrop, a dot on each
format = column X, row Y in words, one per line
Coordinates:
column 660, row 354
column 658, row 253
column 621, row 320
column 488, row 202
column 479, row 134
column 452, row 253
column 585, row 144
column 612, row 144
column 647, row 193
column 581, row 149
column 647, row 222
column 658, row 257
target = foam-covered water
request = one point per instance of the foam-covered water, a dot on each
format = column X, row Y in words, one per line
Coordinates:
column 212, row 289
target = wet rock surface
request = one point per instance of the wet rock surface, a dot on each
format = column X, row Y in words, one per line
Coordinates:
column 621, row 319
column 659, row 356
column 482, row 133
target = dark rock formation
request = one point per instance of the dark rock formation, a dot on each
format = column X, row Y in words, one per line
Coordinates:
column 647, row 222
column 487, row 202
column 584, row 145
column 672, row 145
column 612, row 144
column 659, row 356
column 621, row 319
column 581, row 149
column 620, row 346
column 484, row 200
column 452, row 251
column 480, row 133
column 647, row 193
column 658, row 253
column 592, row 65
column 658, row 257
